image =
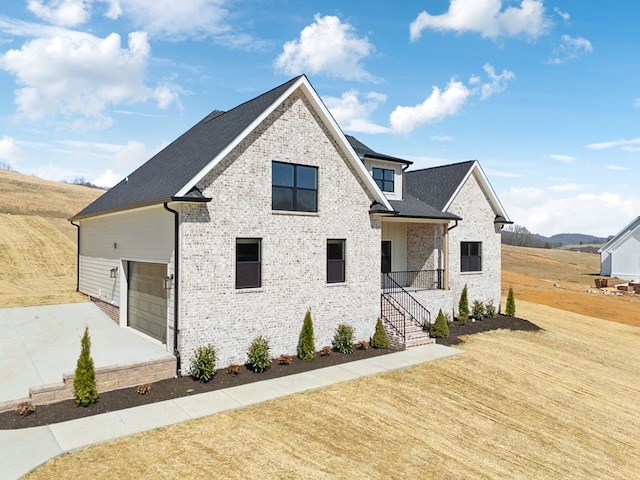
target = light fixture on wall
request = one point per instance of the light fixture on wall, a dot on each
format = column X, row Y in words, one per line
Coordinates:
column 113, row 273
column 167, row 282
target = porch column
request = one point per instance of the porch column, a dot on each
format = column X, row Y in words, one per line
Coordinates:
column 445, row 250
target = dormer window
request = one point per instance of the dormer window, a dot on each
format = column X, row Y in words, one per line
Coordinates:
column 384, row 179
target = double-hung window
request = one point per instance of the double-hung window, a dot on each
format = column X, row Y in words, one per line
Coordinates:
column 335, row 261
column 384, row 178
column 470, row 256
column 248, row 262
column 294, row 187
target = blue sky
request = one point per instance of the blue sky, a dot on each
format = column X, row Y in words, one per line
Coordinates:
column 544, row 94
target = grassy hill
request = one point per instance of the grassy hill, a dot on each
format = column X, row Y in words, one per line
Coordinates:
column 37, row 243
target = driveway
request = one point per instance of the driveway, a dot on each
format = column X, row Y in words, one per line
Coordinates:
column 40, row 344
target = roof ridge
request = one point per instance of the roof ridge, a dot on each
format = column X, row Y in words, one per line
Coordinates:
column 441, row 166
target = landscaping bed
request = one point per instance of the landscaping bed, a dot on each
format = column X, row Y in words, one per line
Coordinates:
column 179, row 387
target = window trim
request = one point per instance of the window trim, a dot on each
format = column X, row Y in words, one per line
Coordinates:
column 383, row 183
column 467, row 260
column 239, row 264
column 332, row 262
column 295, row 188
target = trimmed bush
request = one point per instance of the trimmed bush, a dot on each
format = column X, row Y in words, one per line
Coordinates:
column 380, row 339
column 463, row 307
column 203, row 363
column 343, row 338
column 510, row 311
column 490, row 309
column 306, row 343
column 477, row 310
column 440, row 328
column 85, row 390
column 258, row 354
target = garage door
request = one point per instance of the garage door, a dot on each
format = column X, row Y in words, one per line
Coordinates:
column 147, row 299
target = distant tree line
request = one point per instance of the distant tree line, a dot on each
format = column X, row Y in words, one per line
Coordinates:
column 85, row 183
column 519, row 236
column 6, row 166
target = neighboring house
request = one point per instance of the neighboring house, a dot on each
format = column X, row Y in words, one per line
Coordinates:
column 257, row 214
column 620, row 256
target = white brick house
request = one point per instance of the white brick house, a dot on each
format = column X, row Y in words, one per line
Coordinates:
column 257, row 214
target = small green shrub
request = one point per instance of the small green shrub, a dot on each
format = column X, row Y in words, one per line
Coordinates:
column 440, row 328
column 463, row 307
column 490, row 309
column 203, row 363
column 510, row 311
column 380, row 339
column 85, row 390
column 258, row 354
column 343, row 338
column 306, row 343
column 477, row 310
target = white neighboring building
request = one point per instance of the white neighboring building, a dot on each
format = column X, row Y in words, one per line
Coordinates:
column 620, row 256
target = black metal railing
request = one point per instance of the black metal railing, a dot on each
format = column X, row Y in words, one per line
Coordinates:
column 404, row 300
column 393, row 316
column 414, row 279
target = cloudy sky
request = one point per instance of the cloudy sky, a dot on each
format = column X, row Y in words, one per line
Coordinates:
column 545, row 94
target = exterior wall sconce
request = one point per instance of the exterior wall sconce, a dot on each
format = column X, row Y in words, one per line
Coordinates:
column 167, row 282
column 113, row 273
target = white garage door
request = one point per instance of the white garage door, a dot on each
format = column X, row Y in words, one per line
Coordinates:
column 147, row 299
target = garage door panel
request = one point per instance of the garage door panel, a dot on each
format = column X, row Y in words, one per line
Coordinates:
column 147, row 299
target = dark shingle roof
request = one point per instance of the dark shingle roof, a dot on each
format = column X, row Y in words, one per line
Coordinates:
column 435, row 186
column 165, row 174
column 415, row 208
column 363, row 151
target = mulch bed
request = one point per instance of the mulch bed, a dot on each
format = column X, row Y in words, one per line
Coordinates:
column 179, row 387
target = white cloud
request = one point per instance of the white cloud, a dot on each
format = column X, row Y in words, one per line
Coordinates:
column 486, row 18
column 569, row 49
column 563, row 158
column 327, row 46
column 65, row 13
column 353, row 115
column 567, row 187
column 79, row 76
column 441, row 138
column 498, row 83
column 107, row 179
column 11, row 152
column 497, row 173
column 600, row 214
column 617, row 167
column 629, row 145
column 565, row 16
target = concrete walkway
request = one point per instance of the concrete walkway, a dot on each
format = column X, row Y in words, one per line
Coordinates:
column 40, row 344
column 23, row 450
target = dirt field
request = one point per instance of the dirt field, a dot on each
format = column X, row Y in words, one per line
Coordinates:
column 555, row 404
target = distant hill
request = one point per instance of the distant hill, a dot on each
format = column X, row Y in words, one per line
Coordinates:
column 573, row 239
column 520, row 236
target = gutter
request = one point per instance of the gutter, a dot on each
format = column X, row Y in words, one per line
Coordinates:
column 176, row 284
column 77, row 256
column 454, row 226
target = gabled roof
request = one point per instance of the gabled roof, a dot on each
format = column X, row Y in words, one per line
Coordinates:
column 173, row 173
column 412, row 207
column 363, row 151
column 621, row 236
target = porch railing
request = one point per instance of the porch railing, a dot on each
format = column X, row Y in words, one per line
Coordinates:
column 393, row 316
column 404, row 300
column 414, row 279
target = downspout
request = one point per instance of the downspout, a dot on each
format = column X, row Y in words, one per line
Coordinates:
column 176, row 283
column 77, row 257
column 446, row 254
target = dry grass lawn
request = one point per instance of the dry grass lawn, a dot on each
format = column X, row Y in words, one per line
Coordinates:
column 562, row 403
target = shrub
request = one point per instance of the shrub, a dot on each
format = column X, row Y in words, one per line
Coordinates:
column 440, row 328
column 203, row 363
column 25, row 409
column 380, row 339
column 463, row 307
column 510, row 311
column 233, row 370
column 326, row 351
column 490, row 309
column 85, row 390
column 477, row 310
column 343, row 338
column 285, row 359
column 259, row 356
column 306, row 343
column 362, row 345
column 143, row 389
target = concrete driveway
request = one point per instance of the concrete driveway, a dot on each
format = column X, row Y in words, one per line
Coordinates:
column 40, row 344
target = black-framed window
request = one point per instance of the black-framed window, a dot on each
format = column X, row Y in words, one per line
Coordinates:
column 470, row 256
column 335, row 261
column 248, row 262
column 294, row 187
column 384, row 178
